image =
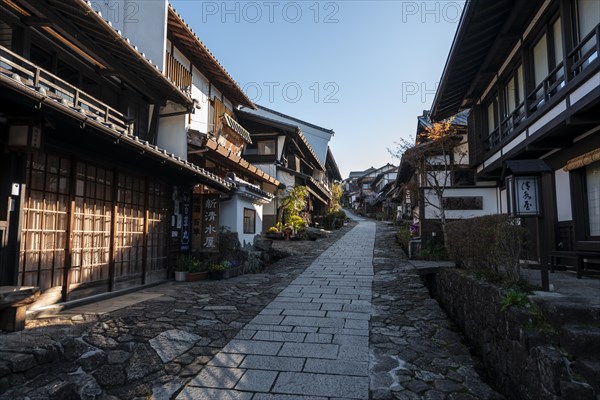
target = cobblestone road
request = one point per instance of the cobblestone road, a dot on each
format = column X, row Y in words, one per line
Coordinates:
column 333, row 322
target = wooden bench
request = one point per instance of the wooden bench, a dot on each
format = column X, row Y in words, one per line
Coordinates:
column 579, row 256
column 13, row 306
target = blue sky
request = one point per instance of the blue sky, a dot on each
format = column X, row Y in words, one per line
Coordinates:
column 365, row 69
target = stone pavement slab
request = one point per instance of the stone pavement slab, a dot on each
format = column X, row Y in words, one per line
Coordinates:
column 347, row 387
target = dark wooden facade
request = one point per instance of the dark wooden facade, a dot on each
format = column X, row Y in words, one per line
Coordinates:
column 86, row 197
column 532, row 86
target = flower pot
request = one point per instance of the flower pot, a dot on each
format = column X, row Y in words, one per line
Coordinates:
column 180, row 276
column 197, row 276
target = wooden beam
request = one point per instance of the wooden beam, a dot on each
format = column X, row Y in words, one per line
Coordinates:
column 36, row 21
column 74, row 34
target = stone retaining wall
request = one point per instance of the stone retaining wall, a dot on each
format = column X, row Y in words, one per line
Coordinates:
column 516, row 346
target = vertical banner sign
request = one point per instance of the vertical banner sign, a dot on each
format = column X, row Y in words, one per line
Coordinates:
column 186, row 220
column 197, row 222
column 527, row 195
column 210, row 223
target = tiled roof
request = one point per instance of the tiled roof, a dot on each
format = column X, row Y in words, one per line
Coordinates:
column 330, row 131
column 285, row 126
column 118, row 133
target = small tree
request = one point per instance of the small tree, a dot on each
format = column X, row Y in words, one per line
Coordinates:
column 293, row 203
column 435, row 155
column 335, row 203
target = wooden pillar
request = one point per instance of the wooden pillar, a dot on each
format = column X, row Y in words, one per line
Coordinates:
column 145, row 238
column 69, row 231
column 17, row 174
column 113, row 232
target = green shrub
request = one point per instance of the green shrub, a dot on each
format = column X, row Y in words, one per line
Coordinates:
column 403, row 237
column 491, row 242
column 432, row 253
column 219, row 267
column 184, row 263
column 340, row 214
column 514, row 297
column 297, row 223
column 334, row 220
column 198, row 266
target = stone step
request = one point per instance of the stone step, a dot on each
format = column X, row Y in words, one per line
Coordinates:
column 561, row 312
column 590, row 370
column 581, row 341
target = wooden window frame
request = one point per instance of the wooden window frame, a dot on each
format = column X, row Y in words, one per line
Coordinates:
column 262, row 153
column 249, row 220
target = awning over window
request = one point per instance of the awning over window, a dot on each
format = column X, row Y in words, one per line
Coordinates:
column 237, row 128
column 583, row 160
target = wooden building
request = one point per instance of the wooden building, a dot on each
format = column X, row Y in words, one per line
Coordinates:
column 427, row 169
column 367, row 191
column 212, row 137
column 89, row 203
column 530, row 72
column 280, row 148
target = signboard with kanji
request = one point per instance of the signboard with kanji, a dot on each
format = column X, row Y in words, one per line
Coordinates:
column 186, row 221
column 209, row 223
column 527, row 202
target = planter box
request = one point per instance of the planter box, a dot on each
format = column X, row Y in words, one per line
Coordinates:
column 197, row 276
column 216, row 275
column 276, row 235
column 232, row 272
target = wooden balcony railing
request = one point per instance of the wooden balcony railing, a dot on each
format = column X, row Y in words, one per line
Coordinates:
column 587, row 52
column 551, row 85
column 514, row 118
column 584, row 53
column 18, row 68
column 178, row 74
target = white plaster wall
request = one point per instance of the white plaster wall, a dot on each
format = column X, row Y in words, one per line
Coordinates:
column 172, row 135
column 286, row 178
column 280, row 144
column 181, row 58
column 270, row 208
column 490, row 203
column 563, row 196
column 200, row 93
column 143, row 23
column 232, row 217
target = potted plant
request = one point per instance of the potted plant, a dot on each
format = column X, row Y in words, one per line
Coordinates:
column 234, row 269
column 198, row 271
column 217, row 271
column 182, row 267
column 272, row 232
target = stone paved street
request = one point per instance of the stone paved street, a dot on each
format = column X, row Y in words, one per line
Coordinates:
column 332, row 322
column 312, row 341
